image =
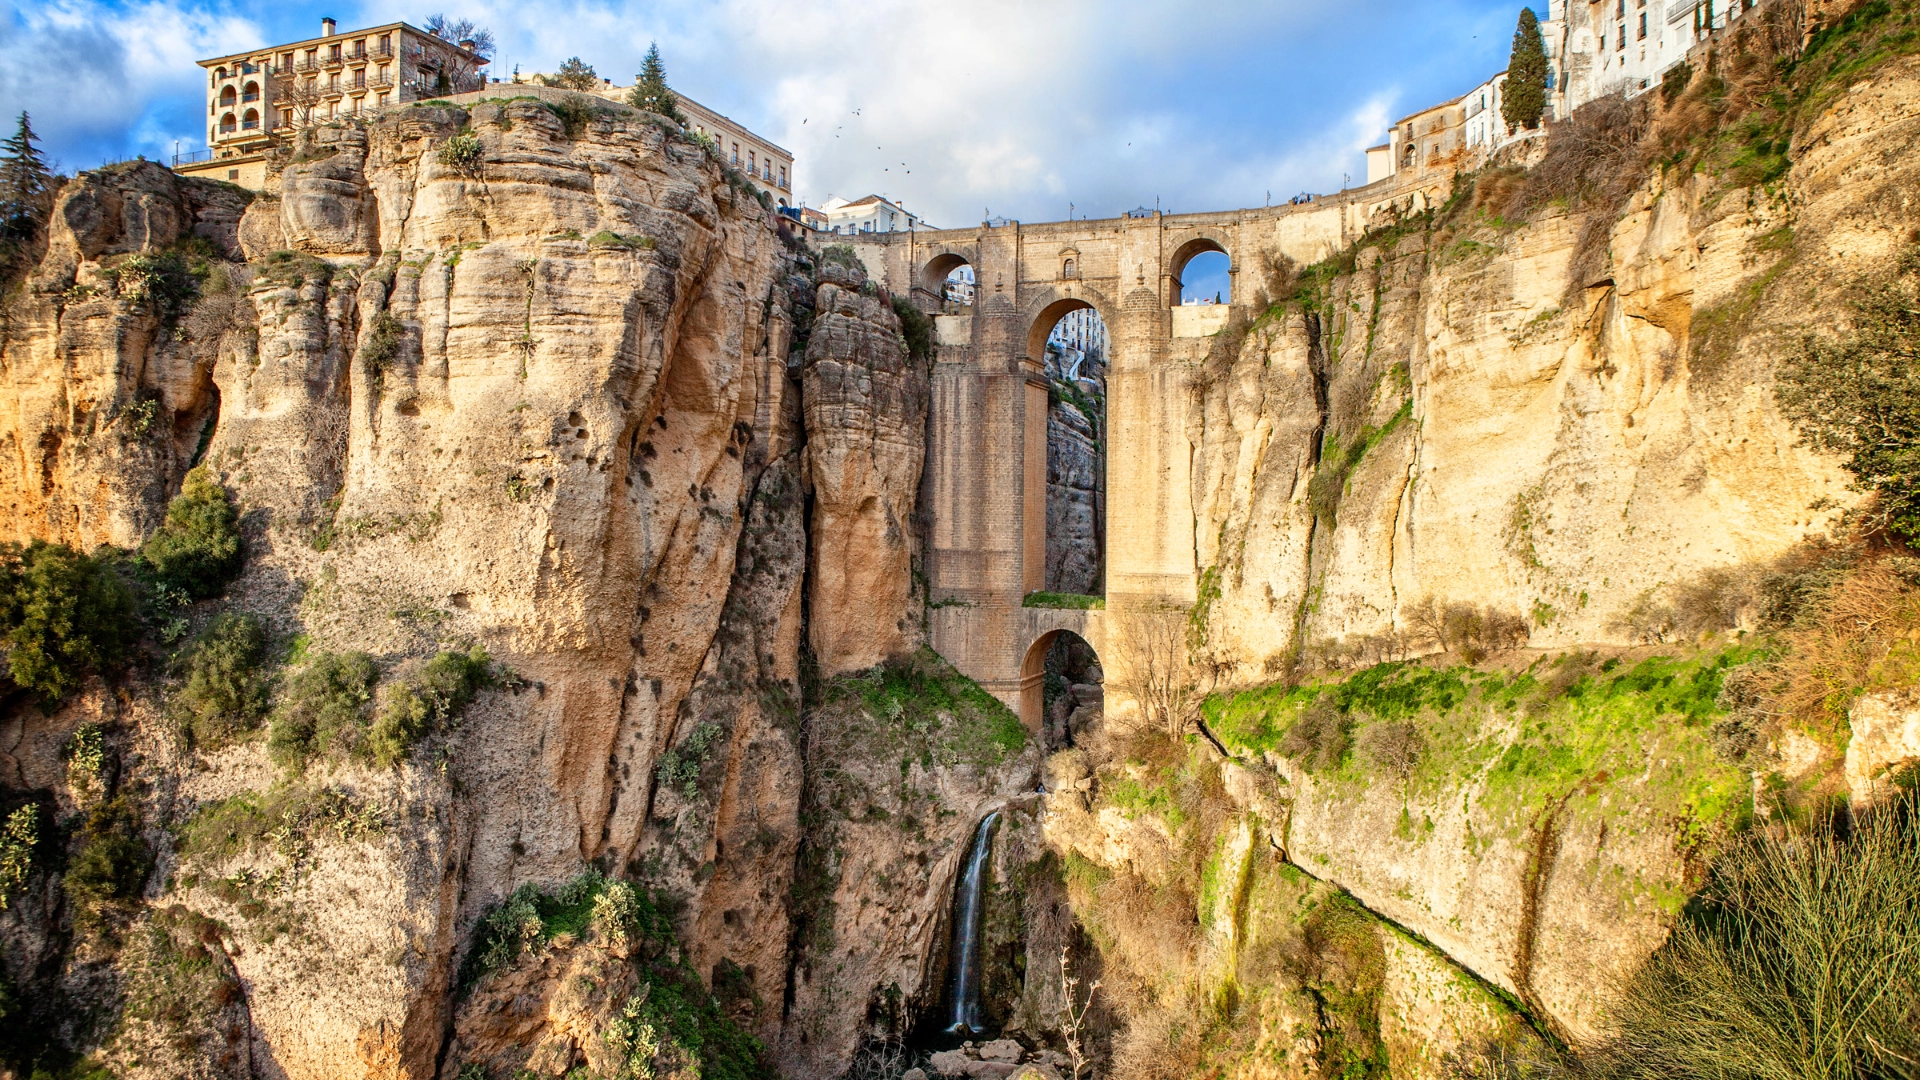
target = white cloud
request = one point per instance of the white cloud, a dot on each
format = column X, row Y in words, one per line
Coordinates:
column 1018, row 106
column 95, row 75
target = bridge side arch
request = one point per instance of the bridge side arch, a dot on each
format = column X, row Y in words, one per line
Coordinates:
column 1186, row 253
column 943, row 260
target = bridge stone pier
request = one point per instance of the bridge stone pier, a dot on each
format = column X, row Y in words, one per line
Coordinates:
column 985, row 484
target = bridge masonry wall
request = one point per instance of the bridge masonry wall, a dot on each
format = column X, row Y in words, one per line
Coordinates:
column 983, row 491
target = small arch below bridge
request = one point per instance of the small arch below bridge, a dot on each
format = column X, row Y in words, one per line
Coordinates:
column 1062, row 682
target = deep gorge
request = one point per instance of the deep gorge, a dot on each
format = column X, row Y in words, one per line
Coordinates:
column 525, row 667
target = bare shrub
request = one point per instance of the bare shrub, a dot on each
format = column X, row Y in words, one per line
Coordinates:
column 1154, row 667
column 1712, row 600
column 1647, row 619
column 1862, row 637
column 1595, row 159
column 1475, row 632
column 1320, row 738
column 1395, row 747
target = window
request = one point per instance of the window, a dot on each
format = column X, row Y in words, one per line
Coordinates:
column 359, row 48
column 736, row 153
column 233, row 174
column 252, row 92
column 227, row 123
column 220, row 73
column 1643, row 26
column 1622, row 43
column 333, row 83
column 227, row 96
column 783, row 176
column 360, row 78
column 286, row 61
column 380, row 100
column 286, row 117
column 751, row 167
column 252, row 120
column 333, row 54
column 384, row 46
column 1620, row 9
column 1068, row 270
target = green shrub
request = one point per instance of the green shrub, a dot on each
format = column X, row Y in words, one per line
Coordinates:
column 63, row 615
column 917, row 328
column 18, row 837
column 325, row 709
column 197, row 548
column 842, row 255
column 381, row 349
column 575, row 111
column 1072, row 601
column 1800, row 958
column 680, row 766
column 427, row 701
column 1860, row 396
column 110, row 865
column 163, row 284
column 285, row 819
column 462, row 153
column 225, row 693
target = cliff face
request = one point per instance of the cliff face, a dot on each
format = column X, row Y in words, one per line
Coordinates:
column 531, row 392
column 1453, row 418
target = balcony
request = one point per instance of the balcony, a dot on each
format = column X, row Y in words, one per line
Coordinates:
column 306, row 67
column 333, row 62
column 381, row 82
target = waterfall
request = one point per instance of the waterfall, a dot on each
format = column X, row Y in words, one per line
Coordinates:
column 963, row 986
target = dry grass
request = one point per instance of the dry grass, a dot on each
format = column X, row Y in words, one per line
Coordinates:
column 1863, row 636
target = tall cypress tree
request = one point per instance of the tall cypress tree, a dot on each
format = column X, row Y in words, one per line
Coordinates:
column 1525, row 95
column 24, row 183
column 650, row 90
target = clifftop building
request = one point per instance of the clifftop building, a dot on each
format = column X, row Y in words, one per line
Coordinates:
column 1593, row 47
column 257, row 96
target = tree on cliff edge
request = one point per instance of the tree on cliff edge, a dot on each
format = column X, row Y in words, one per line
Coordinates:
column 650, row 90
column 24, row 183
column 1525, row 95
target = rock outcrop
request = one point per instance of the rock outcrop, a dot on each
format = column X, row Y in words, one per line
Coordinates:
column 866, row 407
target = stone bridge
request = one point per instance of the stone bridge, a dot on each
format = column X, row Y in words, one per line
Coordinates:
column 985, row 485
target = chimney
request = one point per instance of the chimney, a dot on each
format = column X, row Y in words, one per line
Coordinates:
column 327, row 27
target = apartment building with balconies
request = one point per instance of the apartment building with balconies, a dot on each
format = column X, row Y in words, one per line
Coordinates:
column 257, row 97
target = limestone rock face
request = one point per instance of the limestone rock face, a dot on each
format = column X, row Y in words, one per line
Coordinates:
column 104, row 387
column 1459, row 421
column 1076, row 475
column 866, row 408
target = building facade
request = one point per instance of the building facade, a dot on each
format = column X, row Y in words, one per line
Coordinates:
column 874, row 213
column 256, row 97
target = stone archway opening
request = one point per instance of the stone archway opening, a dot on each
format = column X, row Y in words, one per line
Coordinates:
column 948, row 278
column 1074, row 351
column 1202, row 274
column 1062, row 689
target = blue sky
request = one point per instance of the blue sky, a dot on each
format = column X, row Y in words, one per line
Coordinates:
column 1018, row 108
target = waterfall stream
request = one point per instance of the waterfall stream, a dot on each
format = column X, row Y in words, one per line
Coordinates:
column 963, row 985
